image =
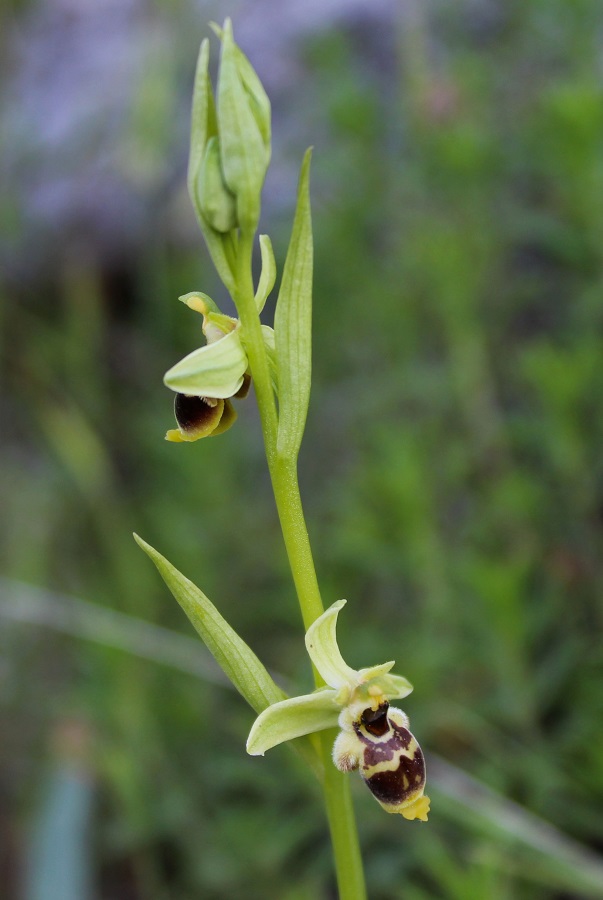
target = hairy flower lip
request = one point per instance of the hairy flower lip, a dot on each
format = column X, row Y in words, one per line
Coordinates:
column 199, row 417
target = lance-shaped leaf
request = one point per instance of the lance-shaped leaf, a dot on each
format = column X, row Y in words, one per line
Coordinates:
column 230, row 651
column 268, row 273
column 291, row 719
column 235, row 658
column 293, row 325
column 245, row 155
column 215, row 370
column 203, row 127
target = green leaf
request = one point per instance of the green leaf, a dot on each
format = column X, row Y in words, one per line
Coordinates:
column 321, row 644
column 244, row 154
column 268, row 273
column 293, row 325
column 203, row 127
column 215, row 370
column 292, row 718
column 232, row 654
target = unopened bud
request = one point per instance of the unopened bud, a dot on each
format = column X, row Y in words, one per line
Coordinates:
column 217, row 203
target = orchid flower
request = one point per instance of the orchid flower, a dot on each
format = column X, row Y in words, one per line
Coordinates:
column 374, row 736
column 207, row 379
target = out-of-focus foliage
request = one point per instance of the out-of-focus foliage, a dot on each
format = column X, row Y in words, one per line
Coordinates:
column 452, row 471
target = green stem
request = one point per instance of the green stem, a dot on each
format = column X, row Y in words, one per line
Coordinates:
column 336, row 785
column 297, row 542
column 283, row 474
column 251, row 333
column 342, row 825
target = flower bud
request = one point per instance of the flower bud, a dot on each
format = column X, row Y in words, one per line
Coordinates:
column 243, row 112
column 218, row 205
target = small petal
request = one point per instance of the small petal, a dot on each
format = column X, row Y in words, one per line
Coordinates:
column 291, row 719
column 375, row 671
column 268, row 273
column 199, row 302
column 215, row 370
column 215, row 323
column 375, row 685
column 321, row 644
column 395, row 687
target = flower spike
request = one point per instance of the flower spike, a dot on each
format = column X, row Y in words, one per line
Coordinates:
column 374, row 736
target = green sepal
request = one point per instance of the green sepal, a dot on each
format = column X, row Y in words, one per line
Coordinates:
column 218, row 204
column 244, row 154
column 203, row 127
column 293, row 718
column 293, row 325
column 268, row 273
column 235, row 658
column 321, row 644
column 215, row 370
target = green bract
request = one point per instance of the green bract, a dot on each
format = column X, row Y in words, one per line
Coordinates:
column 232, row 654
column 346, row 688
column 293, row 324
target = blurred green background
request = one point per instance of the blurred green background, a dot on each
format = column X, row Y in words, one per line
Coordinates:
column 452, row 468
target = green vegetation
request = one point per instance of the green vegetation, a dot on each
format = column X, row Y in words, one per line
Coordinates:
column 453, row 478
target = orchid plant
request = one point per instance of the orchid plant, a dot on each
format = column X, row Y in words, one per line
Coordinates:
column 229, row 156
